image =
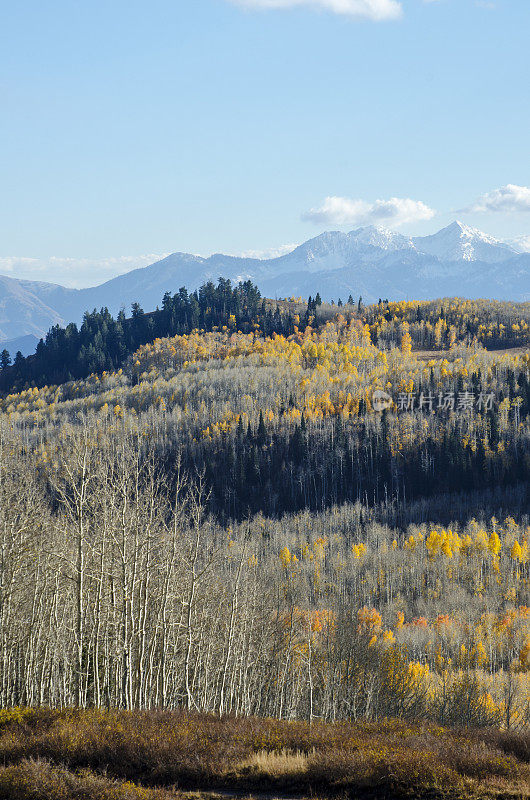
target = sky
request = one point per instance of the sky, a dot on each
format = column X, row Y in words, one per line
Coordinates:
column 129, row 130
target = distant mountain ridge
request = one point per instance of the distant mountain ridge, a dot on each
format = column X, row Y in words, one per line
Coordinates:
column 371, row 262
column 22, row 344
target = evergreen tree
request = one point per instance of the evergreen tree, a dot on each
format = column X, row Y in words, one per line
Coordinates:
column 261, row 435
column 5, row 359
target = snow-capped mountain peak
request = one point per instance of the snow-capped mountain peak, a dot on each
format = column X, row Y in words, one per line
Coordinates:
column 335, row 250
column 384, row 238
column 459, row 242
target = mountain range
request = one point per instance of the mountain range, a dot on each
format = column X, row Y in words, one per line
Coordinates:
column 371, row 262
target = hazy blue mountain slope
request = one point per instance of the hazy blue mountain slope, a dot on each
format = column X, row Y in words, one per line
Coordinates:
column 23, row 310
column 24, row 344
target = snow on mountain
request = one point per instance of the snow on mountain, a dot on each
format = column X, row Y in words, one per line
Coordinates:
column 319, row 254
column 333, row 249
column 376, row 236
column 372, row 262
column 521, row 244
column 459, row 242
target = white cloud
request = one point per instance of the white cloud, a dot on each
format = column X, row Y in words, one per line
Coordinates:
column 376, row 10
column 72, row 272
column 392, row 213
column 507, row 199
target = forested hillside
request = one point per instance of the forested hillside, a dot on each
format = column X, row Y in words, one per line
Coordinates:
column 290, row 511
column 442, row 324
column 104, row 343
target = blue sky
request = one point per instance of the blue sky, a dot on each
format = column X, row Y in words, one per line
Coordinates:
column 131, row 129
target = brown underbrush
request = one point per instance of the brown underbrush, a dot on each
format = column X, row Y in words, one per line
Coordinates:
column 119, row 755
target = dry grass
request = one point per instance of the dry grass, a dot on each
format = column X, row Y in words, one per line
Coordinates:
column 98, row 755
column 39, row 780
column 273, row 764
